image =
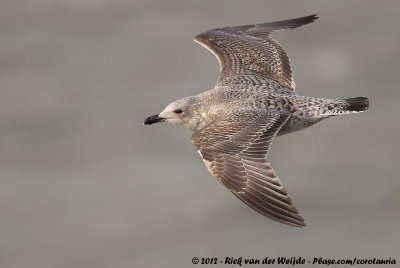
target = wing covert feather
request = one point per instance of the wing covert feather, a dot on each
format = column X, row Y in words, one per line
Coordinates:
column 234, row 149
column 248, row 55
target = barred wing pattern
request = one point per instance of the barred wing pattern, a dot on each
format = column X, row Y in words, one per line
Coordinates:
column 234, row 149
column 248, row 55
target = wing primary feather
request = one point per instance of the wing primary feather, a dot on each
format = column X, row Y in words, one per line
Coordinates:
column 248, row 55
column 242, row 167
column 283, row 24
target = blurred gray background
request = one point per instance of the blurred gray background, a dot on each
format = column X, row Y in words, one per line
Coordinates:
column 84, row 184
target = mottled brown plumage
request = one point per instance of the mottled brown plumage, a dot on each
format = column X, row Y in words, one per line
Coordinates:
column 253, row 101
column 234, row 148
column 248, row 52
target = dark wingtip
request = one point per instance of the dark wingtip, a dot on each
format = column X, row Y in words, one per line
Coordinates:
column 297, row 22
column 312, row 17
column 270, row 27
column 358, row 104
column 307, row 19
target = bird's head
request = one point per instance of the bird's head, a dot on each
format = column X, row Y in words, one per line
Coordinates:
column 183, row 112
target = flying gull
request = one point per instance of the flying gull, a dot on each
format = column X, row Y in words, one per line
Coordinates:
column 253, row 101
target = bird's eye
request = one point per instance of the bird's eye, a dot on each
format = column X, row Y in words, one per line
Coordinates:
column 178, row 111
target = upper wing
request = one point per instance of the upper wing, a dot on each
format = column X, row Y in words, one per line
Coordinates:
column 248, row 53
column 234, row 149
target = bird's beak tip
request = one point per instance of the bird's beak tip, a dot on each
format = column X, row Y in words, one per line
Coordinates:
column 153, row 119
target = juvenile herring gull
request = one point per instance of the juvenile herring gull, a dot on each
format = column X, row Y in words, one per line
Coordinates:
column 254, row 100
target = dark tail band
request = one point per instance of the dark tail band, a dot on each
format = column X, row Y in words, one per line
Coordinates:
column 358, row 104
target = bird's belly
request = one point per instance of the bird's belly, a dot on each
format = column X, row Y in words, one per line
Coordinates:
column 296, row 122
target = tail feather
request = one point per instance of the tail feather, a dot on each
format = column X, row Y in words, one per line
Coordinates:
column 358, row 104
column 345, row 106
